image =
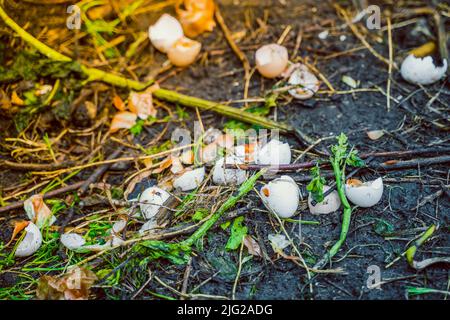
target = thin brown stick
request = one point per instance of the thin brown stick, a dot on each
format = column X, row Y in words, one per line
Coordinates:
column 242, row 57
column 360, row 36
column 47, row 195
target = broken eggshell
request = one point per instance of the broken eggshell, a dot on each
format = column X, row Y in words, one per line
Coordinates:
column 30, row 243
column 281, row 196
column 224, row 176
column 196, row 16
column 307, row 83
column 271, row 60
column 184, row 52
column 72, row 241
column 422, row 70
column 165, row 32
column 38, row 212
column 151, row 201
column 274, row 153
column 364, row 194
column 330, row 203
column 190, row 179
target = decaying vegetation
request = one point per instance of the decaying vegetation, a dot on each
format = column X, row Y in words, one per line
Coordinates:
column 88, row 116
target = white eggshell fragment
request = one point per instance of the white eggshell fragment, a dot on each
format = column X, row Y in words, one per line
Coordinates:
column 330, row 203
column 118, row 226
column 165, row 32
column 31, row 242
column 307, row 83
column 224, row 176
column 184, row 52
column 151, row 201
column 365, row 194
column 190, row 179
column 281, row 195
column 112, row 243
column 422, row 70
column 271, row 60
column 38, row 212
column 274, row 153
column 278, row 242
column 72, row 241
column 149, row 225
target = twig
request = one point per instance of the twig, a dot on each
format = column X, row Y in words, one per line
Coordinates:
column 381, row 154
column 391, row 57
column 99, row 172
column 396, row 165
column 238, row 273
column 47, row 195
column 242, row 57
column 35, row 166
column 361, row 37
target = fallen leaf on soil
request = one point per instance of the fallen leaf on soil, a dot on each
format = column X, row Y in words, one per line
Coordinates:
column 15, row 99
column 197, row 16
column 91, row 109
column 118, row 103
column 166, row 163
column 375, row 134
column 5, row 102
column 73, row 285
column 252, row 246
column 123, row 120
column 135, row 181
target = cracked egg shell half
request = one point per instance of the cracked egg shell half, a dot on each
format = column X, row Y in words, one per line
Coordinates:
column 165, row 32
column 72, row 241
column 307, row 83
column 330, row 203
column 364, row 194
column 30, row 243
column 190, row 179
column 151, row 201
column 184, row 52
column 274, row 153
column 281, row 195
column 271, row 60
column 224, row 176
column 422, row 70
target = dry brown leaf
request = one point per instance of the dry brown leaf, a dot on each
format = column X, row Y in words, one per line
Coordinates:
column 73, row 285
column 118, row 103
column 375, row 134
column 196, row 17
column 166, row 163
column 15, row 99
column 132, row 184
column 91, row 109
column 252, row 246
column 123, row 120
column 5, row 102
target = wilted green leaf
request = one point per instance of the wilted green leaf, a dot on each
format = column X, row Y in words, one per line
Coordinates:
column 238, row 231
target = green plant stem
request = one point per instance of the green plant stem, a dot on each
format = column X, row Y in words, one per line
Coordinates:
column 245, row 188
column 411, row 251
column 94, row 74
column 335, row 163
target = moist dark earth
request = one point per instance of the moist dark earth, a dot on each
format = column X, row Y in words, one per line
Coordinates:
column 409, row 125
